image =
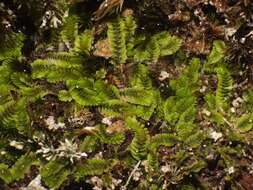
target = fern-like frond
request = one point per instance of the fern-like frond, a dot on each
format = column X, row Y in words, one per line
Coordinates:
column 113, row 108
column 13, row 114
column 185, row 130
column 138, row 146
column 138, row 96
column 118, row 108
column 93, row 167
column 87, row 92
column 5, row 73
column 140, row 52
column 168, row 44
column 106, row 91
column 85, row 97
column 5, row 173
column 216, row 56
column 65, row 96
column 7, row 114
column 163, row 139
column 20, row 80
column 111, row 139
column 33, row 93
column 141, row 77
column 217, row 53
column 10, row 45
column 154, row 50
column 117, row 41
column 54, row 173
column 58, row 67
column 19, row 169
column 89, row 144
column 83, row 43
column 70, row 30
column 188, row 115
column 174, row 109
column 130, row 27
column 157, row 141
column 224, row 87
column 192, row 71
column 244, row 123
column 22, row 166
column 151, row 49
column 187, row 83
column 21, row 117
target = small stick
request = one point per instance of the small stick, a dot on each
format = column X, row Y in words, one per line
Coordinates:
column 131, row 175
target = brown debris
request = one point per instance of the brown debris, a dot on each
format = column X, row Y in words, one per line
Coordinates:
column 102, row 49
column 116, row 127
column 106, row 7
column 246, row 181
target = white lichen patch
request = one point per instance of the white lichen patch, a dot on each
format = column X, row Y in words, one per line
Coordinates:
column 215, row 135
column 66, row 149
column 52, row 125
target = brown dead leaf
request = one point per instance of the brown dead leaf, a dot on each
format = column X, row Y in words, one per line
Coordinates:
column 116, row 127
column 220, row 5
column 193, row 3
column 127, row 12
column 102, row 49
column 197, row 46
column 182, row 16
column 246, row 181
column 86, row 131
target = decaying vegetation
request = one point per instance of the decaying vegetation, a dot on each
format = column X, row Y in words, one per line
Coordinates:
column 134, row 94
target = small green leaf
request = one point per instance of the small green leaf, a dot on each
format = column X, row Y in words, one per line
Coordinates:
column 245, row 122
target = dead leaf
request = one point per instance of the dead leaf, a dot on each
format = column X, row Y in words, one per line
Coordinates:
column 246, row 181
column 116, row 127
column 106, row 7
column 102, row 49
column 127, row 12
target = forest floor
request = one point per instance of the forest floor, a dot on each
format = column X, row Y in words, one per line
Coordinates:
column 157, row 94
